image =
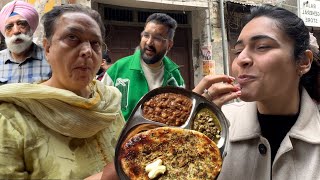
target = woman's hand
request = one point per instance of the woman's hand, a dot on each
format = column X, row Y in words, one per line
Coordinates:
column 94, row 177
column 109, row 173
column 218, row 89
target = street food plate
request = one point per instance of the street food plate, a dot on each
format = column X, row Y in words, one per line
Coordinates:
column 174, row 107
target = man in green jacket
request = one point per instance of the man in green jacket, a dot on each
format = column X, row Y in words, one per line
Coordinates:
column 149, row 67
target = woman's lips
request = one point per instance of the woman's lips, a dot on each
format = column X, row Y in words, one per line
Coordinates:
column 83, row 68
column 244, row 79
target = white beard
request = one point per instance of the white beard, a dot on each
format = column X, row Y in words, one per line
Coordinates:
column 22, row 46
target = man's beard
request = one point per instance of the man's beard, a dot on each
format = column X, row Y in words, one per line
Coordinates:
column 153, row 59
column 20, row 47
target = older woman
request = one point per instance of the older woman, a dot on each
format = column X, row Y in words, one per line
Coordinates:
column 65, row 127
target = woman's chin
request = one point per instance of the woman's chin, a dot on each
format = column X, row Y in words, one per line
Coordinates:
column 83, row 80
column 247, row 96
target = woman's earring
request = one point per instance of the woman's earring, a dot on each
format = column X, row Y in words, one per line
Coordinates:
column 300, row 74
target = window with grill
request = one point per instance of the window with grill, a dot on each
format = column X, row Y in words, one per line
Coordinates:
column 127, row 15
column 115, row 14
column 179, row 17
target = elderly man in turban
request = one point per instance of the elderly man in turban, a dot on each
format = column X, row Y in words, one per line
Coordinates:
column 23, row 60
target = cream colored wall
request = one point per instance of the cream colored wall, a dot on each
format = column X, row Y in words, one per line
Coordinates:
column 42, row 6
column 199, row 39
column 216, row 35
column 4, row 2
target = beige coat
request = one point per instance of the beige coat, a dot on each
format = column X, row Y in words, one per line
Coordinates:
column 298, row 157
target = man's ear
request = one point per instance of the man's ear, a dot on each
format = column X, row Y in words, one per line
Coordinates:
column 304, row 64
column 46, row 46
column 103, row 62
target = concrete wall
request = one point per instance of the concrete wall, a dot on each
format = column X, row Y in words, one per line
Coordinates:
column 43, row 6
column 199, row 37
column 206, row 31
column 216, row 37
column 4, row 2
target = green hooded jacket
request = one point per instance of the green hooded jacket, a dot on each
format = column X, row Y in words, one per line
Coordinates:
column 127, row 75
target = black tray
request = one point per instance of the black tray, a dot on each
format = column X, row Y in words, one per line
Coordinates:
column 137, row 123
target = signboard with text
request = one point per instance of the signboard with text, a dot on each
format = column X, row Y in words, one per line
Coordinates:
column 309, row 12
column 208, row 67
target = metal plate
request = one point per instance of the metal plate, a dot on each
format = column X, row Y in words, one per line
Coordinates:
column 137, row 123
